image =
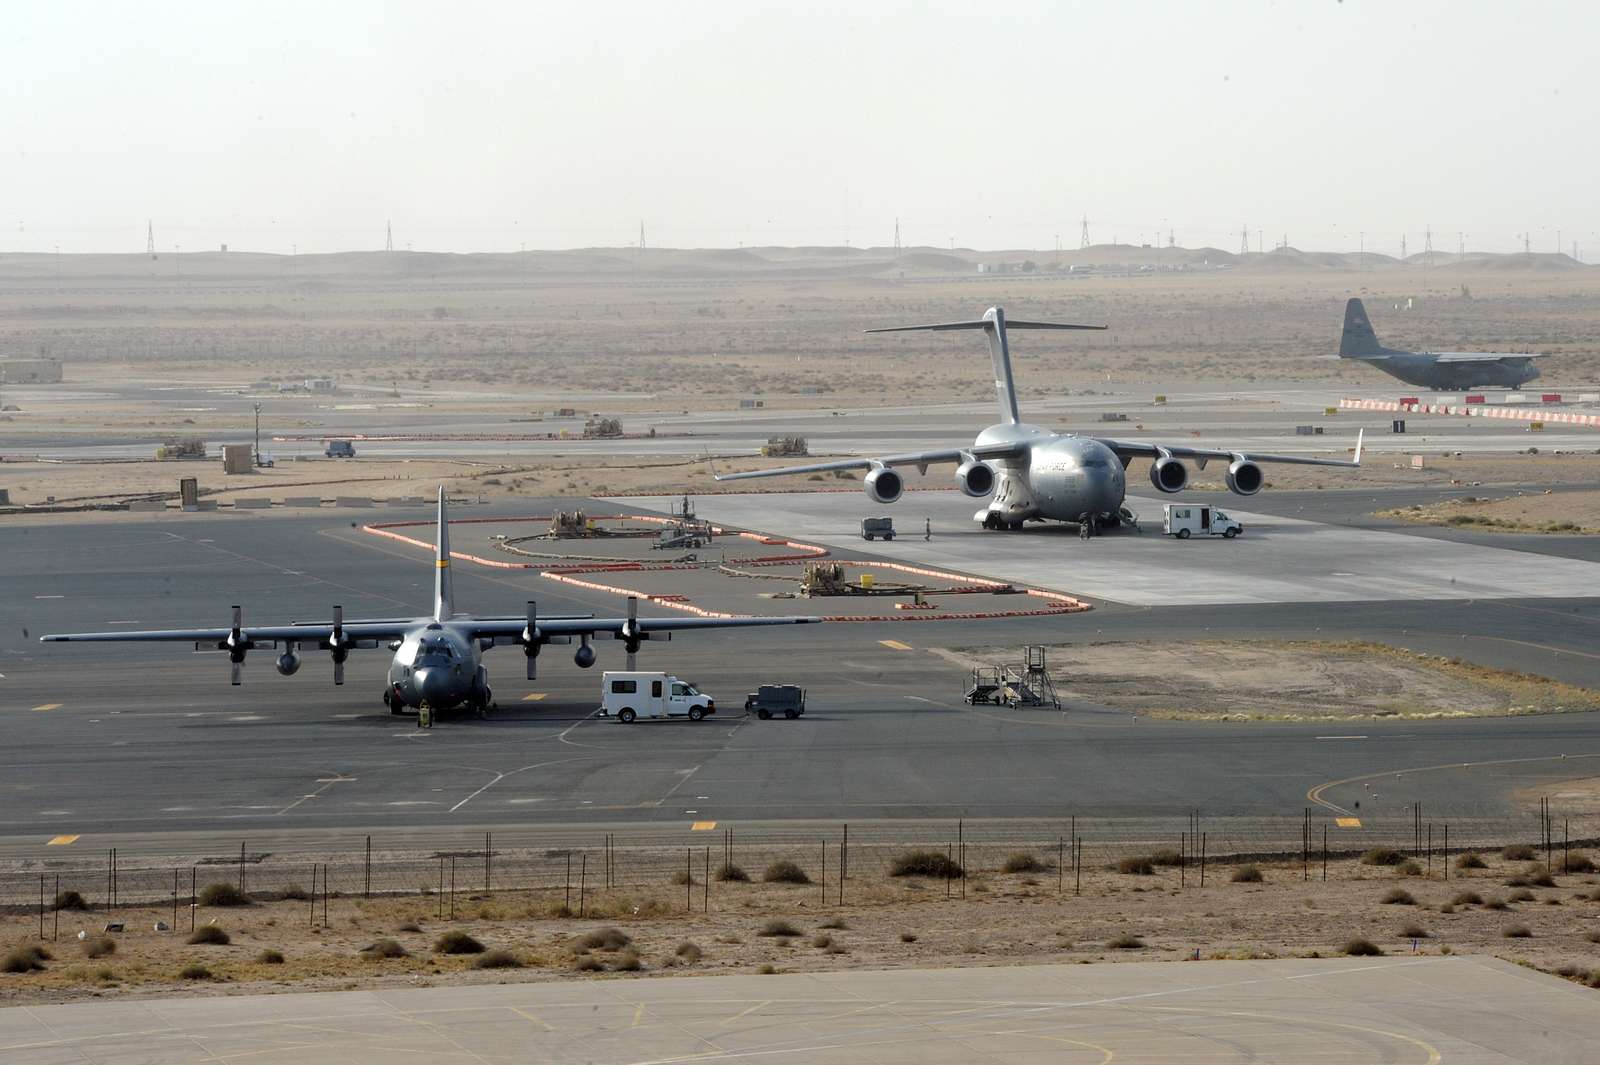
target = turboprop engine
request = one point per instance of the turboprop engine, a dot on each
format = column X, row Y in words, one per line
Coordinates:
column 975, row 478
column 883, row 485
column 1245, row 477
column 1169, row 475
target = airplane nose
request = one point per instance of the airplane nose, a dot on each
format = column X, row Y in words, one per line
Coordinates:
column 433, row 686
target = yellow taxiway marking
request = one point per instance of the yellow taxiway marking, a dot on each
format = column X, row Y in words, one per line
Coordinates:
column 702, row 826
column 533, row 697
column 896, row 645
column 62, row 841
column 1347, row 822
column 46, row 706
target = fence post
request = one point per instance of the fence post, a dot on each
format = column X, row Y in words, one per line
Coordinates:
column 311, row 914
column 56, row 934
column 325, row 922
column 1324, row 854
column 452, row 885
column 824, row 883
column 1202, row 859
column 366, row 880
column 1183, row 856
column 707, row 874
column 950, row 848
column 844, row 861
column 41, row 907
column 1305, row 847
column 1447, row 850
column 241, row 867
column 174, row 899
column 583, row 881
column 440, row 897
column 194, row 899
column 1077, row 865
column 111, row 903
column 1430, row 850
column 488, row 842
column 1061, row 847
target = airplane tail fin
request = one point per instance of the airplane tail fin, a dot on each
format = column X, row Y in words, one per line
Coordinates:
column 1358, row 338
column 443, row 593
column 994, row 324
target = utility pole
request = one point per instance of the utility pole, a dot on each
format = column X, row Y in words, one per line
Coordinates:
column 897, row 238
column 150, row 238
column 388, row 238
column 1402, row 249
column 257, row 408
column 641, row 236
column 1527, row 243
column 1461, row 245
column 1083, row 237
column 1244, row 240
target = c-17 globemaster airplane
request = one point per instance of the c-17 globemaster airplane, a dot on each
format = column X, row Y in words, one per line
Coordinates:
column 437, row 660
column 1035, row 474
column 1432, row 369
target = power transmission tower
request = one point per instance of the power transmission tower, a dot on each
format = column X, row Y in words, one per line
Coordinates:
column 1083, row 239
column 1461, row 245
column 641, row 236
column 1427, row 247
column 1527, row 243
column 1172, row 241
column 897, row 238
column 150, row 238
column 1402, row 249
column 388, row 238
column 1244, row 240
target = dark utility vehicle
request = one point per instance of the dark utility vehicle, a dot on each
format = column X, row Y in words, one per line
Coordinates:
column 786, row 699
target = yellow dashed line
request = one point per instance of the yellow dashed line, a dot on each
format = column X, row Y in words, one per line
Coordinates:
column 702, row 826
column 533, row 697
column 1347, row 822
column 46, row 706
column 62, row 841
column 896, row 645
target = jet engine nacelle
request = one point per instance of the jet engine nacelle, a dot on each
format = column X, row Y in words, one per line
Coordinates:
column 883, row 485
column 288, row 663
column 1245, row 477
column 975, row 479
column 1169, row 475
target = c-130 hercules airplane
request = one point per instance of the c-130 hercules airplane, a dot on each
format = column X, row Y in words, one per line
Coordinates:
column 1035, row 474
column 438, row 660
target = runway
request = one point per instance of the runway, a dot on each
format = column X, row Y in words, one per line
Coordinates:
column 140, row 742
column 1404, row 1011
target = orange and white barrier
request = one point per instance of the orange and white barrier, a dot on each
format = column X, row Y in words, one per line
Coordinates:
column 1477, row 410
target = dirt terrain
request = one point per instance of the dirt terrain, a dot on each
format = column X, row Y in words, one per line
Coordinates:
column 1558, row 513
column 1292, row 681
column 1013, row 918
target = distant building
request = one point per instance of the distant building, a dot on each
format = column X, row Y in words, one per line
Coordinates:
column 30, row 371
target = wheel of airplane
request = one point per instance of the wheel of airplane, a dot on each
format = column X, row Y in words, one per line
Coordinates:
column 626, row 715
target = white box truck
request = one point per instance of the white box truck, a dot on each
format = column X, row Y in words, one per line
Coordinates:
column 1184, row 520
column 628, row 696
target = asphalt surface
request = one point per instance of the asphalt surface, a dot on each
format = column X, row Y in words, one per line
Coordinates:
column 145, row 742
column 1406, row 1011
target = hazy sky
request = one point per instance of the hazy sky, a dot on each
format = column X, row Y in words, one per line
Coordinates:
column 487, row 126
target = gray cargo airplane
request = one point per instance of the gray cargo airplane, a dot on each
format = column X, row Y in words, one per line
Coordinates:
column 1432, row 369
column 437, row 660
column 1035, row 474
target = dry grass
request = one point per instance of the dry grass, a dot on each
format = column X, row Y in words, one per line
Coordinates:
column 1362, row 948
column 778, row 927
column 497, row 959
column 209, row 935
column 1398, row 897
column 1382, row 856
column 1126, row 941
column 223, row 894
column 607, row 939
column 1247, row 874
column 727, row 873
column 1023, row 862
column 383, row 949
column 99, row 946
column 456, row 941
column 1471, row 860
column 785, row 872
column 925, row 863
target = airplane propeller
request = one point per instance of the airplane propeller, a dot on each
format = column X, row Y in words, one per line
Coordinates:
column 338, row 644
column 531, row 641
column 630, row 632
column 236, row 645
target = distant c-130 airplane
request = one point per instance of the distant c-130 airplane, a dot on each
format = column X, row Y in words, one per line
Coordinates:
column 1446, row 370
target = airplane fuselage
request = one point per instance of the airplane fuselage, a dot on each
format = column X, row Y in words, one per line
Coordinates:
column 1425, row 371
column 1060, row 477
column 438, row 665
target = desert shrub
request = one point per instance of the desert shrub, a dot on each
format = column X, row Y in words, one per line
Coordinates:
column 587, row 963
column 908, row 937
column 1022, row 862
column 836, row 924
column 497, row 959
column 836, row 948
column 222, row 893
column 295, row 892
column 778, row 927
column 1471, row 860
column 1493, row 903
column 69, row 900
column 1517, row 931
column 1126, row 941
column 1398, row 897
column 208, row 934
column 1521, row 895
column 1468, row 898
column 1592, row 937
column 727, row 872
column 683, row 878
column 1540, row 878
column 1448, row 907
column 409, row 926
column 1362, row 948
column 766, row 969
column 99, row 946
column 1140, row 865
column 1247, row 874
column 194, row 971
column 26, row 958
column 1413, row 931
column 1411, row 869
column 1518, row 852
column 383, row 948
column 270, row 957
column 689, row 952
column 785, row 872
column 605, row 939
column 457, row 942
column 925, row 863
column 627, row 962
column 822, row 940
column 1166, row 856
column 1382, row 856
column 1577, row 863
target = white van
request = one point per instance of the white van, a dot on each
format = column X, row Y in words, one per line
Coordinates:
column 1184, row 520
column 628, row 696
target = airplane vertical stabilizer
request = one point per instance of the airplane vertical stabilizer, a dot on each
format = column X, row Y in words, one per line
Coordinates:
column 443, row 593
column 993, row 323
column 1358, row 338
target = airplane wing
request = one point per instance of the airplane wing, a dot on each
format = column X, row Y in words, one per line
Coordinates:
column 1485, row 356
column 1130, row 449
column 303, row 631
column 621, row 628
column 919, row 459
